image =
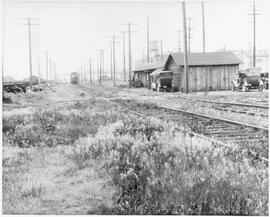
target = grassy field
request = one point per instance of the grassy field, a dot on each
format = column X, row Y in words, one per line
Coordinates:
column 94, row 157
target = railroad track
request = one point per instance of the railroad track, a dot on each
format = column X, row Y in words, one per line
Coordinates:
column 243, row 108
column 255, row 138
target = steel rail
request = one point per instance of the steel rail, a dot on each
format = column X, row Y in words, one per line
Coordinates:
column 227, row 103
column 215, row 141
column 210, row 117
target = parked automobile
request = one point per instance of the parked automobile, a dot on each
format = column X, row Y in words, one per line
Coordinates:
column 265, row 79
column 247, row 79
column 137, row 83
column 161, row 81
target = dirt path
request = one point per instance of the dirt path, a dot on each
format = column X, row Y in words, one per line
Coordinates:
column 66, row 189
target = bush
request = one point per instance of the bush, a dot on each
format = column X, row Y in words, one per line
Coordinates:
column 52, row 128
column 155, row 171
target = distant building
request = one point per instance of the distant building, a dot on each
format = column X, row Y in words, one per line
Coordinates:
column 9, row 79
column 246, row 57
column 207, row 71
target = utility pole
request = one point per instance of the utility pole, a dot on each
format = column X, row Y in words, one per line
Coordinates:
column 203, row 27
column 124, row 58
column 39, row 76
column 185, row 45
column 100, row 64
column 129, row 55
column 47, row 66
column 148, row 38
column 3, row 50
column 161, row 50
column 98, row 60
column 55, row 75
column 103, row 68
column 179, row 40
column 113, row 57
column 50, row 64
column 189, row 33
column 82, row 74
column 113, row 60
column 84, row 65
column 129, row 52
column 29, row 24
column 90, row 69
column 254, row 14
column 30, row 51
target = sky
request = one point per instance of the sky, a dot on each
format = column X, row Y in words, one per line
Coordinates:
column 74, row 31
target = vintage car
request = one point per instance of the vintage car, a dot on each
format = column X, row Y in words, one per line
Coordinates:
column 161, row 80
column 265, row 79
column 247, row 79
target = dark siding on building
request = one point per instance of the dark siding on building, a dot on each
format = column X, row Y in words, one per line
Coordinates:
column 144, row 77
column 210, row 77
column 202, row 77
column 177, row 72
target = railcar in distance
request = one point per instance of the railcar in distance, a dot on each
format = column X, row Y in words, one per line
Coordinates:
column 74, row 78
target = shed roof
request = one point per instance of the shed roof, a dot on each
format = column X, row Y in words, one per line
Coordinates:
column 152, row 65
column 209, row 59
column 194, row 59
column 157, row 72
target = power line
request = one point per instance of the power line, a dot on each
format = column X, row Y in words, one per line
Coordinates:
column 148, row 38
column 254, row 14
column 161, row 50
column 203, row 27
column 113, row 57
column 124, row 57
column 101, row 60
column 90, row 70
column 129, row 51
column 50, row 65
column 189, row 32
column 29, row 24
column 185, row 45
column 47, row 63
column 179, row 40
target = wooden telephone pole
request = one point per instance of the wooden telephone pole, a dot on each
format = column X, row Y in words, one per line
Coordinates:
column 161, row 50
column 29, row 24
column 148, row 51
column 47, row 66
column 90, row 70
column 254, row 14
column 124, row 58
column 179, row 40
column 185, row 45
column 113, row 56
column 203, row 27
column 189, row 33
column 129, row 52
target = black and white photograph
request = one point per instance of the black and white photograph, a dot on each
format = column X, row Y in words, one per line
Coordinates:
column 135, row 107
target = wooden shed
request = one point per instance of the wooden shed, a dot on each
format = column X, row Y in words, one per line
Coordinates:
column 207, row 71
column 142, row 72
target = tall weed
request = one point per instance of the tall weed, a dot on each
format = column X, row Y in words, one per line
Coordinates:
column 157, row 170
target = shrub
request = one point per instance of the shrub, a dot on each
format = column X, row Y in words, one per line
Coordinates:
column 155, row 171
column 51, row 128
